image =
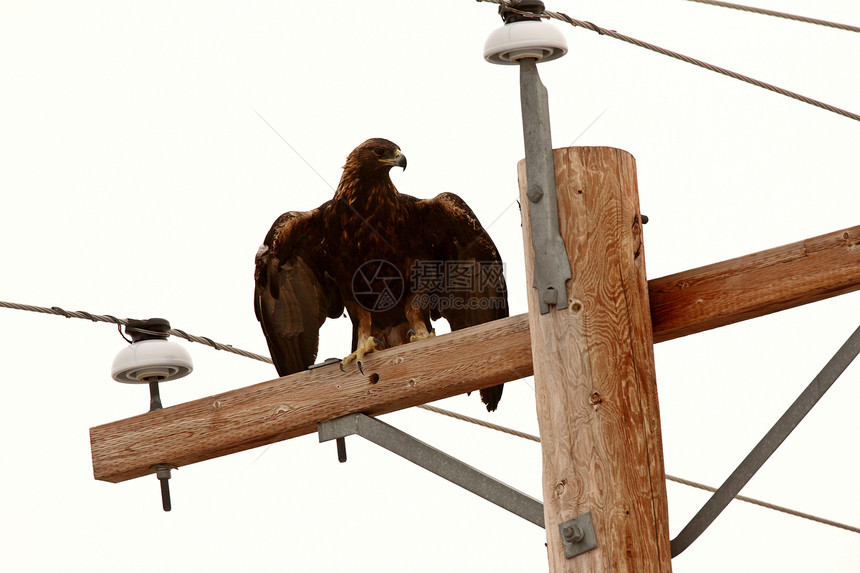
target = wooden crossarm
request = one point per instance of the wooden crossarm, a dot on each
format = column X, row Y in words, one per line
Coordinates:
column 466, row 360
column 291, row 406
column 754, row 285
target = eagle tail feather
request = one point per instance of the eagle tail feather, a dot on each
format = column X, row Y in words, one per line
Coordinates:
column 491, row 396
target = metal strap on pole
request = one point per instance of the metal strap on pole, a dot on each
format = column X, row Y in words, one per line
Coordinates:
column 768, row 444
column 552, row 267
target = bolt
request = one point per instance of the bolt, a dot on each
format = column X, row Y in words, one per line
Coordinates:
column 341, row 449
column 162, row 472
column 572, row 533
column 535, row 193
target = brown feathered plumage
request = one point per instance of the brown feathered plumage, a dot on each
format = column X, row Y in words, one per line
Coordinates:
column 392, row 261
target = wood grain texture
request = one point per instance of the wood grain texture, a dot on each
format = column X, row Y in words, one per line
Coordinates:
column 594, row 373
column 681, row 304
column 408, row 375
column 754, row 285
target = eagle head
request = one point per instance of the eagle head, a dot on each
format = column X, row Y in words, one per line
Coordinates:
column 375, row 155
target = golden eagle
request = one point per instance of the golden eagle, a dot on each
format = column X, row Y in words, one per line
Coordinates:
column 392, row 261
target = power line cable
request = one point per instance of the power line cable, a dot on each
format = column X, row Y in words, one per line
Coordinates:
column 55, row 310
column 613, row 34
column 768, row 505
column 682, row 481
column 478, row 422
column 785, row 15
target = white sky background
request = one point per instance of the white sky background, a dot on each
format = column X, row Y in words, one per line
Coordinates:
column 138, row 181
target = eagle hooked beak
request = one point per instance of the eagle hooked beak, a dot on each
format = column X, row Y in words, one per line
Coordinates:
column 399, row 160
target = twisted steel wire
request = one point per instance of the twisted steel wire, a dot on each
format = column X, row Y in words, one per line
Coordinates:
column 55, row 310
column 604, row 32
column 124, row 322
column 678, row 56
column 785, row 15
column 681, row 481
column 478, row 422
column 768, row 505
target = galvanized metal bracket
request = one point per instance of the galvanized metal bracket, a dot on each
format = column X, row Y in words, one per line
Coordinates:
column 577, row 535
column 434, row 460
column 768, row 444
column 551, row 267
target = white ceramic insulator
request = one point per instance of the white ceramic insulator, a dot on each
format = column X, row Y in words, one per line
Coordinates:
column 526, row 39
column 146, row 360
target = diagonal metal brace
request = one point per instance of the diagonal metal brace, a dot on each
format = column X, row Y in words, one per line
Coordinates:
column 435, row 461
column 552, row 267
column 768, row 444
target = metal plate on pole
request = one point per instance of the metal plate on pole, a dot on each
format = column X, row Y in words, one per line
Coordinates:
column 577, row 535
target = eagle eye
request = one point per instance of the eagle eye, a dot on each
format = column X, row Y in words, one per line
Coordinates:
column 379, row 152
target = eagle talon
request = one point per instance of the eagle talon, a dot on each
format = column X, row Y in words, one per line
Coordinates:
column 360, row 352
column 415, row 337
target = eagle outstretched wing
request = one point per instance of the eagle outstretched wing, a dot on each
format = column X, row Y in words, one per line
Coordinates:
column 473, row 289
column 292, row 294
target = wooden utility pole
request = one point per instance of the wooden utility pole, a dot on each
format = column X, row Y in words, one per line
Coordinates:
column 594, row 373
